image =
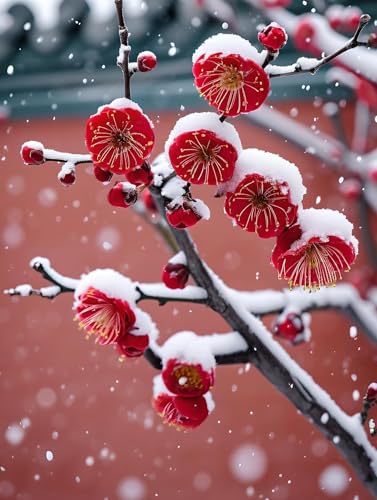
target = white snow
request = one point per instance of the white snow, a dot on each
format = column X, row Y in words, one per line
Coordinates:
column 14, row 434
column 334, row 480
column 33, row 145
column 227, row 44
column 66, row 169
column 201, row 209
column 173, row 189
column 131, row 488
column 248, row 463
column 188, row 347
column 23, row 290
column 161, row 169
column 205, row 121
column 144, row 324
column 271, row 166
column 123, row 50
column 46, row 397
column 121, row 103
column 108, row 281
column 178, row 258
column 324, row 222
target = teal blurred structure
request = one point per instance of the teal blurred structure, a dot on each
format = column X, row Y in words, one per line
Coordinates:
column 70, row 67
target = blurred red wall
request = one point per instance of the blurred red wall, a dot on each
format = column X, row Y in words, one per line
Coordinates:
column 88, row 429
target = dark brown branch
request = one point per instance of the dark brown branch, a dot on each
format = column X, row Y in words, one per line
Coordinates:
column 125, row 49
column 272, row 367
column 162, row 300
column 351, row 44
column 366, row 230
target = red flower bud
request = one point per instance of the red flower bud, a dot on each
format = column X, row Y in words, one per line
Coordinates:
column 132, row 346
column 371, row 394
column 303, row 35
column 270, row 4
column 140, row 175
column 123, row 194
column 184, row 413
column 372, row 174
column 181, row 217
column 32, row 153
column 68, row 179
column 291, row 328
column 273, row 37
column 175, row 275
column 146, row 61
column 351, row 188
column 372, row 40
column 102, row 175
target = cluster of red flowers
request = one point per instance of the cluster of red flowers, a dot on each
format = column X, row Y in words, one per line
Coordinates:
column 111, row 319
column 181, row 392
column 263, row 191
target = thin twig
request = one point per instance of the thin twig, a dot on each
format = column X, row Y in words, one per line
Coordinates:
column 351, row 44
column 125, row 49
column 366, row 230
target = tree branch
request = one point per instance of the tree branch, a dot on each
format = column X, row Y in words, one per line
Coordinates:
column 124, row 50
column 305, row 65
column 284, row 373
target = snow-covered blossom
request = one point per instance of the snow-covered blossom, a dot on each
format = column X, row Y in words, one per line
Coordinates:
column 316, row 250
column 264, row 194
column 228, row 74
column 202, row 149
column 105, row 305
column 119, row 136
column 103, row 316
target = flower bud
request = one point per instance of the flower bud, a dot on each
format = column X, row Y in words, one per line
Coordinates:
column 146, row 61
column 32, row 153
column 273, row 37
column 123, row 194
column 175, row 275
column 102, row 175
column 140, row 175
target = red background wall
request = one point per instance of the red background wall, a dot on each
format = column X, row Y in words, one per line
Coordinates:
column 94, row 413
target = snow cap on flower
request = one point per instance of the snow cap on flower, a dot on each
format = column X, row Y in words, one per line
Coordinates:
column 228, row 74
column 202, row 149
column 108, row 281
column 227, row 44
column 189, row 347
column 264, row 193
column 181, row 412
column 105, row 304
column 119, row 136
column 316, row 250
column 371, row 394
